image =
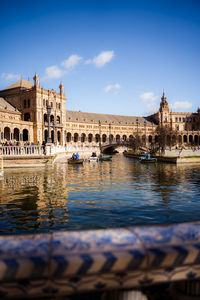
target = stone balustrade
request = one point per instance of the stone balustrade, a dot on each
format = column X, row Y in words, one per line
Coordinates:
column 63, row 263
column 21, row 150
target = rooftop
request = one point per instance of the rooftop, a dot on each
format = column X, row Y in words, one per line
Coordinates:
column 4, row 105
column 79, row 116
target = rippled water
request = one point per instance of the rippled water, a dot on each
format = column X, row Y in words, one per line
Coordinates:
column 98, row 195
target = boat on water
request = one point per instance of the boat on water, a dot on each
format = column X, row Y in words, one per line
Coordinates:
column 72, row 161
column 105, row 157
column 144, row 160
column 93, row 158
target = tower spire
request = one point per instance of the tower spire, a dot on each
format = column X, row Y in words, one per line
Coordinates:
column 36, row 79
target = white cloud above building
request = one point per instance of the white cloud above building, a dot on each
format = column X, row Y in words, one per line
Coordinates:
column 102, row 59
column 52, row 72
column 71, row 62
column 181, row 105
column 10, row 76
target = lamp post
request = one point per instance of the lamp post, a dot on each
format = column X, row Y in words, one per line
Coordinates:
column 100, row 135
column 137, row 134
column 48, row 115
column 110, row 139
column 145, row 129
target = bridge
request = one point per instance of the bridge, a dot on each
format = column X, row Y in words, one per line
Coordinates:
column 110, row 147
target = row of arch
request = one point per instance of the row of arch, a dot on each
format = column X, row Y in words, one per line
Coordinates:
column 52, row 136
column 52, row 119
column 186, row 139
column 15, row 135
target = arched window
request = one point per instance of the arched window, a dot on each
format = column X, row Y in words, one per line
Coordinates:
column 69, row 137
column 180, row 139
column 150, row 139
column 45, row 135
column 104, row 138
column 58, row 119
column 97, row 138
column 16, row 134
column 83, row 137
column 90, row 138
column 7, row 133
column 58, row 136
column 196, row 139
column 45, row 117
column 75, row 137
column 124, row 138
column 190, row 139
column 25, row 135
column 117, row 138
column 110, row 138
column 130, row 138
column 51, row 118
column 185, row 138
column 29, row 103
column 24, row 103
column 27, row 117
column 52, row 136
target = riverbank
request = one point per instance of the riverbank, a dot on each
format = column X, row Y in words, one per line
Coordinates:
column 169, row 159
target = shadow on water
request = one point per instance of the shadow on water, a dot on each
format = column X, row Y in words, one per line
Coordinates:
column 116, row 193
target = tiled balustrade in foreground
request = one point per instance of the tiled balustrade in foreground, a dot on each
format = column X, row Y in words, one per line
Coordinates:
column 63, row 263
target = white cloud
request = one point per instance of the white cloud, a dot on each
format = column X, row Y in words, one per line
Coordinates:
column 100, row 60
column 111, row 87
column 10, row 76
column 71, row 62
column 52, row 72
column 181, row 105
column 151, row 108
column 148, row 97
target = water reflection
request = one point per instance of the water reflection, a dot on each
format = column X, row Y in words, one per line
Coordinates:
column 98, row 195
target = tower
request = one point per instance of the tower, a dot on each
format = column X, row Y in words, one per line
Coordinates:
column 164, row 113
column 36, row 79
column 61, row 87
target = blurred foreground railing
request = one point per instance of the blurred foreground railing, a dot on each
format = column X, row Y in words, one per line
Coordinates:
column 64, row 263
column 21, row 150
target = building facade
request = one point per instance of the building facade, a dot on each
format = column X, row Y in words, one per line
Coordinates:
column 24, row 118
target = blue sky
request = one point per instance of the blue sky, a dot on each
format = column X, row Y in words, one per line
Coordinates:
column 112, row 56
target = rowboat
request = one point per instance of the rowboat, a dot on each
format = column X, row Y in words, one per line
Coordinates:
column 75, row 161
column 93, row 158
column 144, row 160
column 106, row 157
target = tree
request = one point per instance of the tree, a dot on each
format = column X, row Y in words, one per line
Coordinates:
column 166, row 137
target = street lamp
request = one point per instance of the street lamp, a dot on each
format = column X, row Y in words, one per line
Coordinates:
column 100, row 135
column 145, row 128
column 137, row 140
column 48, row 116
column 110, row 139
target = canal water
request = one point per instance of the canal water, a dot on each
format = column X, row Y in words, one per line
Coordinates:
column 119, row 193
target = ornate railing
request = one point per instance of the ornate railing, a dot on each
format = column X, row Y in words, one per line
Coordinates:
column 21, row 150
column 63, row 263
